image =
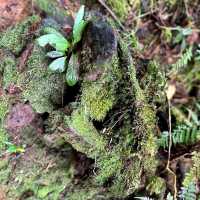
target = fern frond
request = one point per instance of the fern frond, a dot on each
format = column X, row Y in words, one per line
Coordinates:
column 188, row 193
column 183, row 60
column 183, row 134
column 194, row 174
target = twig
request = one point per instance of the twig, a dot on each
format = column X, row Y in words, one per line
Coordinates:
column 169, row 149
column 111, row 13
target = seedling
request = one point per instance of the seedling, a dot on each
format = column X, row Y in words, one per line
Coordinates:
column 65, row 47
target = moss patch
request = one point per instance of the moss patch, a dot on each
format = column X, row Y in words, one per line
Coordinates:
column 15, row 38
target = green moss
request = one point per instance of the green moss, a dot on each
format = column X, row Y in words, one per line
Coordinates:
column 9, row 66
column 83, row 136
column 88, row 193
column 3, row 139
column 98, row 97
column 41, row 87
column 3, row 107
column 15, row 38
column 3, row 112
column 97, row 100
column 120, row 7
column 128, row 180
column 5, row 171
column 110, row 165
column 154, row 82
column 42, row 174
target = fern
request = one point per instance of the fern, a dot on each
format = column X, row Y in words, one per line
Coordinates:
column 183, row 60
column 194, row 173
column 183, row 134
column 188, row 193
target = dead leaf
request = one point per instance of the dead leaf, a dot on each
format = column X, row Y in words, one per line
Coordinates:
column 170, row 91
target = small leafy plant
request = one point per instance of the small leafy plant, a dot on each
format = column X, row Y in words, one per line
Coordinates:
column 65, row 48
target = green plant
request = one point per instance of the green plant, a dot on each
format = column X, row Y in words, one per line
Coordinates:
column 65, row 48
column 181, row 35
column 11, row 148
column 183, row 60
column 188, row 193
column 182, row 134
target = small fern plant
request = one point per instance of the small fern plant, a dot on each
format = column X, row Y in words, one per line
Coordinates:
column 183, row 60
column 188, row 193
column 65, row 48
column 182, row 134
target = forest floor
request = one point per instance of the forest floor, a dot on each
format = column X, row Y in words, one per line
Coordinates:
column 121, row 120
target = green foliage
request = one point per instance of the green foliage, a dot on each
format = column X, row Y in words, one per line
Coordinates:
column 62, row 45
column 79, row 25
column 58, row 64
column 188, row 193
column 182, row 134
column 12, row 148
column 15, row 38
column 55, row 40
column 194, row 174
column 72, row 74
column 181, row 35
column 156, row 185
column 183, row 60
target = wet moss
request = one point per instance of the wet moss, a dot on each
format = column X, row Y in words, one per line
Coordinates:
column 15, row 38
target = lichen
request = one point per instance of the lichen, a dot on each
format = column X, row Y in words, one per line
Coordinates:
column 15, row 38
